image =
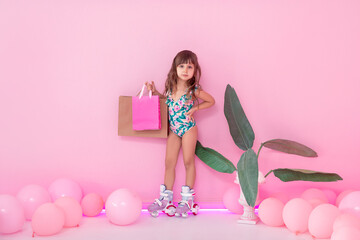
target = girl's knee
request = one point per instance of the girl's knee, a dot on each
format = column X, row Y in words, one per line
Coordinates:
column 189, row 163
column 170, row 165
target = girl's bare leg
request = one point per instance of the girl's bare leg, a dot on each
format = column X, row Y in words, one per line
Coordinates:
column 188, row 145
column 172, row 153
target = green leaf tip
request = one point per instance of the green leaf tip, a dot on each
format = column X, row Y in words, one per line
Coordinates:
column 239, row 126
column 248, row 172
column 290, row 147
column 288, row 175
column 214, row 159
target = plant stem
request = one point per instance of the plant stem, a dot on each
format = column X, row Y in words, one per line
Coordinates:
column 268, row 173
column 257, row 155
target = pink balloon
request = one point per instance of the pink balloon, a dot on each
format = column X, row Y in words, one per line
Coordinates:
column 331, row 196
column 342, row 195
column 31, row 197
column 316, row 202
column 92, row 204
column 314, row 193
column 48, row 219
column 123, row 207
column 321, row 220
column 270, row 212
column 346, row 220
column 231, row 200
column 346, row 233
column 296, row 214
column 351, row 203
column 64, row 187
column 72, row 210
column 281, row 196
column 12, row 216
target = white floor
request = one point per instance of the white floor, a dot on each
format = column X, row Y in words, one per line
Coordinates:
column 207, row 225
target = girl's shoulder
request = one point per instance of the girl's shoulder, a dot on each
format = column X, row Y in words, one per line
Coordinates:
column 193, row 93
column 196, row 89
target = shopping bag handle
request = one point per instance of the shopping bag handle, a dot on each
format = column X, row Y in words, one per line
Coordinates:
column 142, row 92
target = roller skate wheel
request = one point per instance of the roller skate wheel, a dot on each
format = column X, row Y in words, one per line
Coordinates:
column 154, row 214
column 195, row 209
column 184, row 215
column 170, row 210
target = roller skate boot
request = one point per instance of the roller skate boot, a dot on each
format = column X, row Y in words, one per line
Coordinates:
column 163, row 204
column 187, row 204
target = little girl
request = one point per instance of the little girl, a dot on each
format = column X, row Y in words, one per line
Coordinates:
column 182, row 92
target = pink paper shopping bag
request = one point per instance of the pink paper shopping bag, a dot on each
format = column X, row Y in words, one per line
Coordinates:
column 146, row 112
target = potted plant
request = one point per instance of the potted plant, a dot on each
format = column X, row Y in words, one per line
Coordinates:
column 247, row 167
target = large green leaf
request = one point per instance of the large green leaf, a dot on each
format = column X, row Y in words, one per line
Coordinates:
column 290, row 147
column 248, row 172
column 288, row 175
column 214, row 159
column 239, row 126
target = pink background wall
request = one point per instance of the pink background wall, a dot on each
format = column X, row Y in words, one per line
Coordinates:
column 63, row 65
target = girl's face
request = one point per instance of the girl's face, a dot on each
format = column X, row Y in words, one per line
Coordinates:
column 185, row 71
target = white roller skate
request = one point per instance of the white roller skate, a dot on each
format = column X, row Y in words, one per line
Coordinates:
column 164, row 203
column 187, row 203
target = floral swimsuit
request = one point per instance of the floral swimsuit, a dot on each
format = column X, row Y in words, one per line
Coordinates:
column 180, row 123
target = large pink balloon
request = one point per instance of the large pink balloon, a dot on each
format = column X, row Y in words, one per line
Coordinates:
column 123, row 207
column 64, row 187
column 346, row 220
column 321, row 220
column 231, row 200
column 331, row 196
column 72, row 210
column 296, row 214
column 341, row 196
column 314, row 196
column 270, row 212
column 92, row 204
column 351, row 203
column 48, row 219
column 284, row 197
column 12, row 216
column 31, row 197
column 314, row 193
column 346, row 233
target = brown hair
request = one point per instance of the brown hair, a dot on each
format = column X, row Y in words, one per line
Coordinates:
column 184, row 56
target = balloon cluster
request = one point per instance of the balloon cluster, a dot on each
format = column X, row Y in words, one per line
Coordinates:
column 63, row 205
column 320, row 212
column 316, row 211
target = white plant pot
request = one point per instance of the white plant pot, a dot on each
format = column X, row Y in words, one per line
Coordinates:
column 249, row 216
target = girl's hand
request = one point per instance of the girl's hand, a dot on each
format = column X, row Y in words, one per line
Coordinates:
column 150, row 86
column 191, row 112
